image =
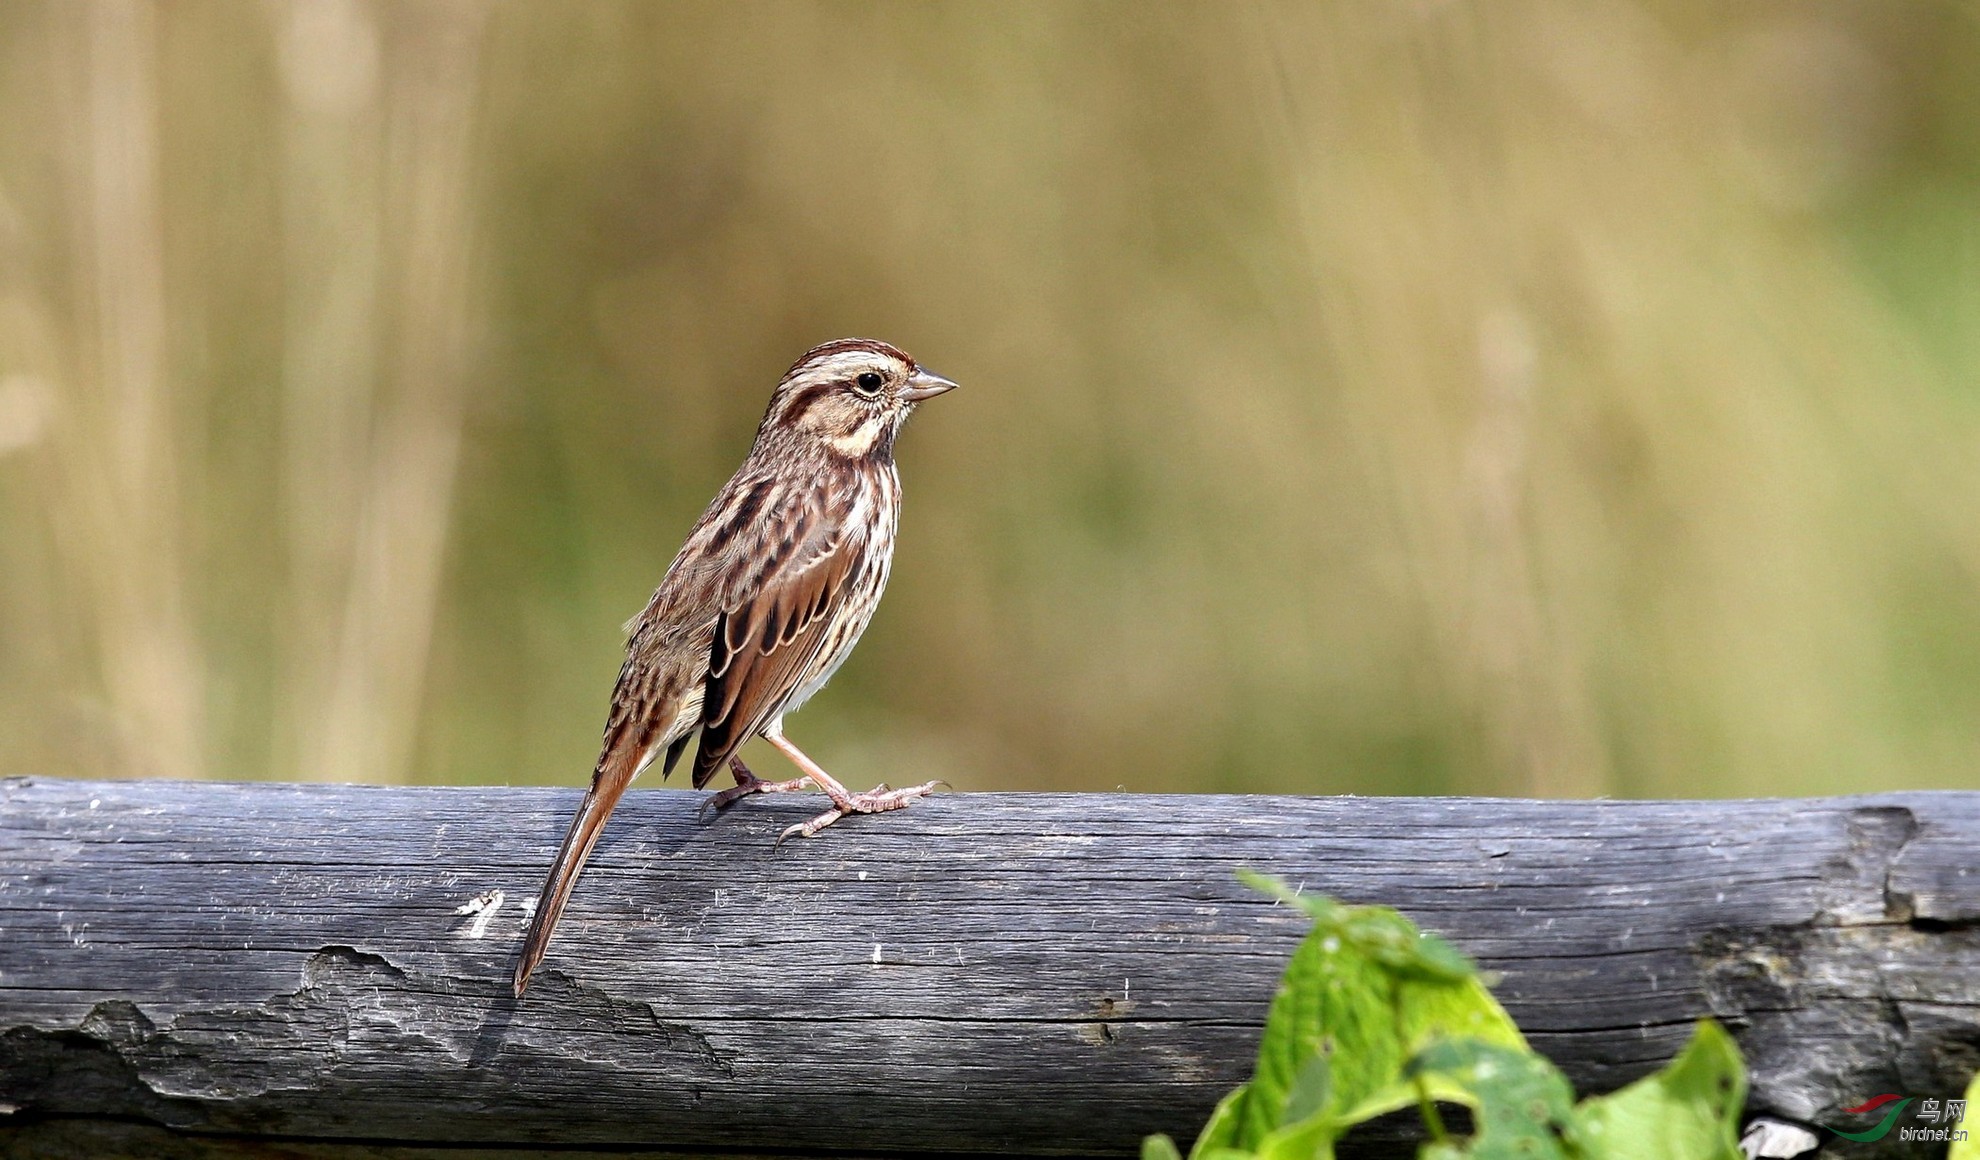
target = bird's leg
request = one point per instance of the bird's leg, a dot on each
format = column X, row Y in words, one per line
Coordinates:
column 748, row 783
column 873, row 801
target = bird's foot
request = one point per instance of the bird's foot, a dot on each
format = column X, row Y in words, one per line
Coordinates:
column 877, row 800
column 748, row 783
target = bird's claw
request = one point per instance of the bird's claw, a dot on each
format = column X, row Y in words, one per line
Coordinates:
column 747, row 783
column 877, row 800
column 809, row 829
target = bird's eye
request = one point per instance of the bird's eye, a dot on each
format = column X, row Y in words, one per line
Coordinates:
column 867, row 383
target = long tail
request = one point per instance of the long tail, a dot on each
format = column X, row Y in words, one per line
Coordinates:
column 608, row 784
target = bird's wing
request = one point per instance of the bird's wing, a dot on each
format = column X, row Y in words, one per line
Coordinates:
column 772, row 624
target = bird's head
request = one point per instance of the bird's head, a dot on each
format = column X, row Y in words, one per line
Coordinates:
column 849, row 397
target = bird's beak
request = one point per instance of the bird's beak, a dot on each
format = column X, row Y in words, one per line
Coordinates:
column 926, row 384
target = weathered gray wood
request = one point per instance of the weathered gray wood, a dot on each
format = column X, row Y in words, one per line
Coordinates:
column 993, row 973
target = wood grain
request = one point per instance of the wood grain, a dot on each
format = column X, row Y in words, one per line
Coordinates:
column 1014, row 974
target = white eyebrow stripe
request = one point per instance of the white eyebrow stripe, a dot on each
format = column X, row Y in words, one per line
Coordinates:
column 843, row 365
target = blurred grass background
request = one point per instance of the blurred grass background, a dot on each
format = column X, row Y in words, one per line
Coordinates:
column 1530, row 397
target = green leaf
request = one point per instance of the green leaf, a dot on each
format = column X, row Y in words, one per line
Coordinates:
column 1336, row 1003
column 1319, row 906
column 1463, row 1009
column 1966, row 1147
column 1159, row 1148
column 1688, row 1111
column 1364, row 992
column 1438, row 959
column 1311, row 1139
column 1310, row 1088
column 1427, row 1012
column 1372, row 1015
column 1377, row 931
column 1221, row 1133
column 1522, row 1102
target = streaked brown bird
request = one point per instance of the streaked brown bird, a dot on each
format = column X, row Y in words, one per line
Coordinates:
column 765, row 600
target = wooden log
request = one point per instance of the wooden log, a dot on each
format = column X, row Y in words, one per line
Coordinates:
column 1016, row 974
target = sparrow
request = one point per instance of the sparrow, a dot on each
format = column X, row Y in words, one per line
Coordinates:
column 762, row 605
